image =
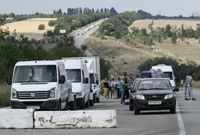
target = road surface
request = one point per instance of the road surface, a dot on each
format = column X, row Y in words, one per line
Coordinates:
column 84, row 34
column 185, row 122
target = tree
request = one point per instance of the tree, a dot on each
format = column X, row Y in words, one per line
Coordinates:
column 174, row 38
column 113, row 11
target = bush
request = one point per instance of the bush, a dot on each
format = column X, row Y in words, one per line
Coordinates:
column 51, row 23
column 41, row 27
column 4, row 96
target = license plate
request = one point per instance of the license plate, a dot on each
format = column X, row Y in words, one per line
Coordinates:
column 33, row 107
column 155, row 102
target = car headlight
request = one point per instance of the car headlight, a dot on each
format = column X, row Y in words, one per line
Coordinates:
column 140, row 97
column 14, row 93
column 169, row 96
column 52, row 93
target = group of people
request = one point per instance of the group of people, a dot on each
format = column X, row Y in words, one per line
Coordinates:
column 187, row 85
column 117, row 87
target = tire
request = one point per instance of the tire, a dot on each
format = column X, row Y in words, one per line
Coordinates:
column 97, row 100
column 131, row 107
column 136, row 110
column 87, row 104
column 73, row 105
column 59, row 106
column 82, row 106
column 173, row 110
column 91, row 102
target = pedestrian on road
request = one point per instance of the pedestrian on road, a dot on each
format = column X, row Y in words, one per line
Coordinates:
column 189, row 88
column 113, row 88
column 117, row 88
column 105, row 88
column 122, row 89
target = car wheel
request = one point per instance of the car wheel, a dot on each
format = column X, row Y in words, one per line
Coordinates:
column 136, row 110
column 173, row 109
column 131, row 107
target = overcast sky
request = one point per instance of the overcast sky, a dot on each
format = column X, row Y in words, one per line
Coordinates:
column 163, row 7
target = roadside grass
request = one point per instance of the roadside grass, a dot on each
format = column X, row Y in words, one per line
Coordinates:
column 4, row 95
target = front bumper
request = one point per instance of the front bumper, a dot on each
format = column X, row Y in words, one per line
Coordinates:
column 44, row 105
column 165, row 105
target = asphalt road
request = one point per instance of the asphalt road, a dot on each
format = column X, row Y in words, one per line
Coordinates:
column 147, row 123
column 80, row 39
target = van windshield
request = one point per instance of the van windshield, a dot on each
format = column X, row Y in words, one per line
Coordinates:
column 73, row 75
column 42, row 73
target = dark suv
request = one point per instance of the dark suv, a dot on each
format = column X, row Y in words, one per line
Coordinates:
column 152, row 94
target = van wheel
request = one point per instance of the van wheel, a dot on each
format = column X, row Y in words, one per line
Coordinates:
column 73, row 105
column 87, row 104
column 82, row 106
column 91, row 102
column 59, row 105
column 97, row 100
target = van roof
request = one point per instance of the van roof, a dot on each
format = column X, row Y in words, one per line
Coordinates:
column 163, row 67
column 37, row 62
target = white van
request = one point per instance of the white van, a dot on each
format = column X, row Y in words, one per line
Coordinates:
column 168, row 72
column 77, row 73
column 40, row 85
column 93, row 66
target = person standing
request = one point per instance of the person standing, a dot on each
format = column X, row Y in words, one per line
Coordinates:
column 106, row 88
column 122, row 90
column 113, row 88
column 189, row 88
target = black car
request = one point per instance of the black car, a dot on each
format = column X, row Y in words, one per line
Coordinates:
column 152, row 94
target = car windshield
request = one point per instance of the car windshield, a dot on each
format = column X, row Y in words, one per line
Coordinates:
column 73, row 75
column 42, row 73
column 154, row 85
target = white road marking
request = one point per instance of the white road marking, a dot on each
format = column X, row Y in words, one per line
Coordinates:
column 180, row 121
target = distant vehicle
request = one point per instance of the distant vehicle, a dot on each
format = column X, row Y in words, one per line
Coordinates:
column 40, row 85
column 77, row 73
column 168, row 72
column 148, row 74
column 152, row 94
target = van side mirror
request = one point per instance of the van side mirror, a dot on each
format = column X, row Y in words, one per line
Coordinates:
column 86, row 80
column 62, row 79
column 176, row 89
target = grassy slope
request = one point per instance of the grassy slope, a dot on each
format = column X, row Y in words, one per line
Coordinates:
column 4, row 95
column 120, row 53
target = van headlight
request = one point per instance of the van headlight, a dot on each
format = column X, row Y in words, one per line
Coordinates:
column 140, row 97
column 169, row 96
column 52, row 93
column 14, row 93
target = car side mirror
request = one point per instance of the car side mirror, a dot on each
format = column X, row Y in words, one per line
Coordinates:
column 62, row 79
column 176, row 89
column 86, row 80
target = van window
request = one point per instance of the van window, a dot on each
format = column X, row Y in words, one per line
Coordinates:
column 42, row 73
column 168, row 75
column 73, row 75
